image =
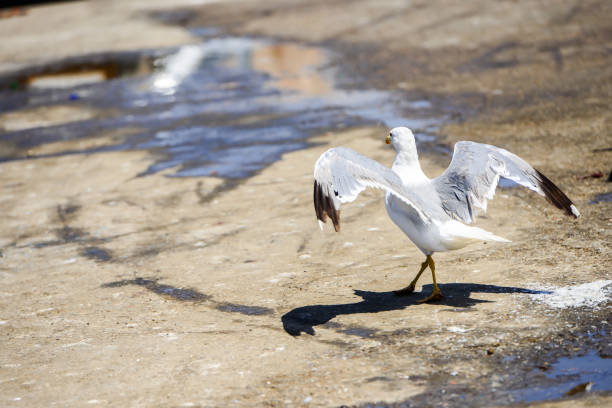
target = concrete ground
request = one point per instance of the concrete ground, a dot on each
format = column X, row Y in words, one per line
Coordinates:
column 119, row 290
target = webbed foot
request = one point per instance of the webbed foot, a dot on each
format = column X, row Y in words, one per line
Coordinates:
column 436, row 295
column 404, row 292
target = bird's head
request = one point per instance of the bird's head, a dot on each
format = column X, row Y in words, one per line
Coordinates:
column 402, row 139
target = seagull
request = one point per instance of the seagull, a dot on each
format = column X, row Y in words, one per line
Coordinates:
column 433, row 213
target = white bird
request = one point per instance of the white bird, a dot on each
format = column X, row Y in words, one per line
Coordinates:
column 433, row 213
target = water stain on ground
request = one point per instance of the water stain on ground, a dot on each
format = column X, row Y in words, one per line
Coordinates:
column 190, row 295
column 167, row 291
column 97, row 254
column 243, row 309
column 65, row 214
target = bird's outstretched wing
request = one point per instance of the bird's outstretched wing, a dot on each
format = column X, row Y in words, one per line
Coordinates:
column 341, row 174
column 472, row 176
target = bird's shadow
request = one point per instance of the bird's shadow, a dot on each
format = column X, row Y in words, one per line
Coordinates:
column 303, row 319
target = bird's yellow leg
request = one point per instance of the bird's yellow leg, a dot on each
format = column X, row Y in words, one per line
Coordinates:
column 436, row 294
column 410, row 288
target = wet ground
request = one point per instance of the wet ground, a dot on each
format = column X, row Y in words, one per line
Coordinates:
column 159, row 245
column 225, row 107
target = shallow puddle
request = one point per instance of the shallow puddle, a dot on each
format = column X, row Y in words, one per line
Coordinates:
column 225, row 107
column 81, row 70
column 602, row 198
column 570, row 376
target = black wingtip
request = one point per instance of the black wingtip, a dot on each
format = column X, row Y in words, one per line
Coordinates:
column 556, row 197
column 324, row 207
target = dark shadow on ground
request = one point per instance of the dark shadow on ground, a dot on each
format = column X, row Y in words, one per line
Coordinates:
column 189, row 295
column 303, row 319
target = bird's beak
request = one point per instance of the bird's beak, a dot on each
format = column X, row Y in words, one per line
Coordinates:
column 388, row 141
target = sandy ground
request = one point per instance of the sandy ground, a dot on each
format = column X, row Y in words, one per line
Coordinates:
column 153, row 291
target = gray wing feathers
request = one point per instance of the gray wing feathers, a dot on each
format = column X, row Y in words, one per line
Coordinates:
column 341, row 174
column 473, row 175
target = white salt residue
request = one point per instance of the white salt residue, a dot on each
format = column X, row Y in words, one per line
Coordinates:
column 41, row 311
column 588, row 294
column 457, row 329
column 168, row 336
column 83, row 342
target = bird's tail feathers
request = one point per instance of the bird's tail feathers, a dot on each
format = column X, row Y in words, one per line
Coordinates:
column 459, row 230
column 489, row 236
